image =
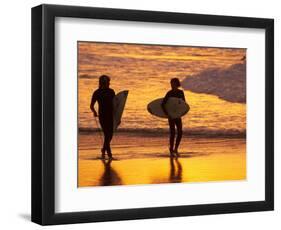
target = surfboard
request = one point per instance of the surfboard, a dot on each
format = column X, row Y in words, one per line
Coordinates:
column 119, row 102
column 176, row 107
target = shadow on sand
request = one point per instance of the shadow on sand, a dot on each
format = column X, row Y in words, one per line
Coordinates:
column 175, row 170
column 109, row 176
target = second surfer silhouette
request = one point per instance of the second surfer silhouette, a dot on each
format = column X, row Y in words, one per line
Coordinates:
column 176, row 122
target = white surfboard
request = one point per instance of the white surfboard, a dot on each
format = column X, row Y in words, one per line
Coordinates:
column 175, row 107
column 119, row 102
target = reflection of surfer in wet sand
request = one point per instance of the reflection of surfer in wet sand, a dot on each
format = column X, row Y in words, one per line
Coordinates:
column 175, row 170
column 110, row 176
column 174, row 122
column 104, row 96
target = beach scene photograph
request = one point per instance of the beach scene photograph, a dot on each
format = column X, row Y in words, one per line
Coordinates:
column 154, row 114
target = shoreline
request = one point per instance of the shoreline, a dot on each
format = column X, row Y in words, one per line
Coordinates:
column 146, row 160
column 165, row 132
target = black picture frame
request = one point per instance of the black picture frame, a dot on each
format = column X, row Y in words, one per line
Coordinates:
column 43, row 110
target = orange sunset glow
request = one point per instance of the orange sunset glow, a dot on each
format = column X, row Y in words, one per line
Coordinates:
column 213, row 146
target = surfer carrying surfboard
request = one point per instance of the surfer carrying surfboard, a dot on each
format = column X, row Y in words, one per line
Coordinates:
column 174, row 122
column 104, row 96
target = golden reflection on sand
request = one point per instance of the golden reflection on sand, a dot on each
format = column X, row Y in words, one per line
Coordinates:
column 206, row 160
column 145, row 70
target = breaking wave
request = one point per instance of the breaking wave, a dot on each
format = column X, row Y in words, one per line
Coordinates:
column 228, row 84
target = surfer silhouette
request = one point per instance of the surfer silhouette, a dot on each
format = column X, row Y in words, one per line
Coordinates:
column 177, row 122
column 104, row 96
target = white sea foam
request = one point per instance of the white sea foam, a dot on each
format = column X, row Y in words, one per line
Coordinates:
column 228, row 84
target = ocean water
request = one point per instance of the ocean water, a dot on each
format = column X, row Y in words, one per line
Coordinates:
column 146, row 70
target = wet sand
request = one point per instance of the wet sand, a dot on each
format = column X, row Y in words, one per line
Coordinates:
column 145, row 160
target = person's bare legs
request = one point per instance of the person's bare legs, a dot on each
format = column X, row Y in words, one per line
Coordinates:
column 107, row 127
column 172, row 135
column 108, row 140
column 178, row 124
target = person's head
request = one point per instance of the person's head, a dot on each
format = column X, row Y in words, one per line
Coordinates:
column 175, row 83
column 104, row 81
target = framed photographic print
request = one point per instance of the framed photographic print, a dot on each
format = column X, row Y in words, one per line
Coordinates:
column 142, row 114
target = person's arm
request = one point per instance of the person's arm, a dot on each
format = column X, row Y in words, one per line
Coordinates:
column 182, row 96
column 92, row 106
column 164, row 103
column 113, row 96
